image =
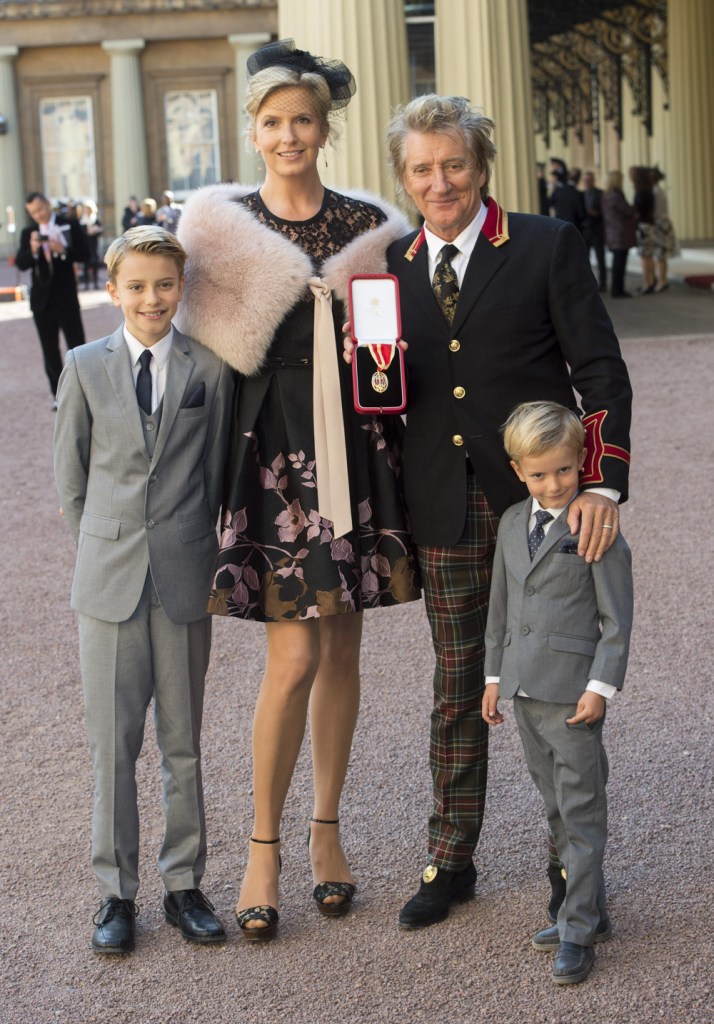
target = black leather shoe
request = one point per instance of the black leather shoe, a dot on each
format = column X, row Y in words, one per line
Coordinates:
column 438, row 889
column 114, row 926
column 194, row 915
column 548, row 938
column 572, row 963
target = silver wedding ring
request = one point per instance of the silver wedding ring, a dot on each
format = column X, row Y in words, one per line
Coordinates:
column 606, row 526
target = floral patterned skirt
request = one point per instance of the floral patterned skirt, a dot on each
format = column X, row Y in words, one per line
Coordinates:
column 278, row 559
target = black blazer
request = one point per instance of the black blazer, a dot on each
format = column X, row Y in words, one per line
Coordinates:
column 60, row 286
column 529, row 325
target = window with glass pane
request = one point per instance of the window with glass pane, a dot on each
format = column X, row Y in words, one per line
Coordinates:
column 67, row 137
column 420, row 45
column 192, row 139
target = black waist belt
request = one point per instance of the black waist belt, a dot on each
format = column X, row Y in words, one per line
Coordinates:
column 277, row 363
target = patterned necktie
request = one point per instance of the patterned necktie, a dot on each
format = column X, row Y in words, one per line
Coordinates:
column 143, row 383
column 445, row 283
column 537, row 534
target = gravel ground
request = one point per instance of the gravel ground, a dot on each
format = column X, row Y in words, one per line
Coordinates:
column 477, row 966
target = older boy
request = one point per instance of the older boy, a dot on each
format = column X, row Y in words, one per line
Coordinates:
column 557, row 640
column 140, row 443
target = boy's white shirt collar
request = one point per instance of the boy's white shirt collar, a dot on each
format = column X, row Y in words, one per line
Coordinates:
column 160, row 351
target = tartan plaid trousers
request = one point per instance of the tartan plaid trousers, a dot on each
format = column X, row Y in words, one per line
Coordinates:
column 456, row 584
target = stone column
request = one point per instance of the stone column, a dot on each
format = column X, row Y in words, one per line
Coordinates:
column 635, row 146
column 131, row 167
column 482, row 52
column 370, row 37
column 690, row 156
column 660, row 146
column 12, row 186
column 247, row 162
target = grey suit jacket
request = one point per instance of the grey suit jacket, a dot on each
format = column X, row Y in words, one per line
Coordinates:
column 126, row 511
column 556, row 622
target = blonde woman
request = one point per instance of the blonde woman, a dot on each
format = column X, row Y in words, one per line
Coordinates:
column 262, row 266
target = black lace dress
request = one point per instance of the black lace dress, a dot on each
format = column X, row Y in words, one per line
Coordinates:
column 279, row 560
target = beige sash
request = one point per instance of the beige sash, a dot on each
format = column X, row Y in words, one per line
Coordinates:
column 333, row 485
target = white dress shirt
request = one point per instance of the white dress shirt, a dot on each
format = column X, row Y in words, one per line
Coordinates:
column 465, row 243
column 158, row 365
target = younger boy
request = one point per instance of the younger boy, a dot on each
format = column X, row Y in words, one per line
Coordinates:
column 140, row 443
column 557, row 640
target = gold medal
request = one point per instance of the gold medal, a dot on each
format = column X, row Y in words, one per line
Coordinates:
column 383, row 356
column 380, row 382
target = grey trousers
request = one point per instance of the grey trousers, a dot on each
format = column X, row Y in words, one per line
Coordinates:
column 124, row 665
column 569, row 766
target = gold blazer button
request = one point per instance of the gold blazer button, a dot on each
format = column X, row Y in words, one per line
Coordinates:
column 454, row 345
column 459, row 392
column 458, row 440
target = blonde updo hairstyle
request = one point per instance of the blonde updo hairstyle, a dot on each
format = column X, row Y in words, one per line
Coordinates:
column 264, row 83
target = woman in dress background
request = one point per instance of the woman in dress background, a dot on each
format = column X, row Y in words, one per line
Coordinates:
column 665, row 242
column 283, row 560
column 619, row 220
column 644, row 203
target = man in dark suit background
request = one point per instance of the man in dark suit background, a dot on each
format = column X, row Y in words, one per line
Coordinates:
column 594, row 228
column 509, row 312
column 566, row 201
column 50, row 247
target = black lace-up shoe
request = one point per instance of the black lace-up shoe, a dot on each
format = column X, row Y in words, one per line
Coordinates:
column 438, row 889
column 194, row 915
column 114, row 926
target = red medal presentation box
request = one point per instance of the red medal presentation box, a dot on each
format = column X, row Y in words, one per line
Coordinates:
column 378, row 362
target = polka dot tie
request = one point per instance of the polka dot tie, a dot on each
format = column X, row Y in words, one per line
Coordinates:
column 537, row 534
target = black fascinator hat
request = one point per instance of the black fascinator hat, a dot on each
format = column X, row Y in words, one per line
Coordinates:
column 283, row 53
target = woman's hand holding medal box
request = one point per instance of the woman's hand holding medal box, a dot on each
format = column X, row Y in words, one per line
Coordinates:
column 378, row 361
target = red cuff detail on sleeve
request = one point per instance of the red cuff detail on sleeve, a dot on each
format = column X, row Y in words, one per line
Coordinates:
column 596, row 449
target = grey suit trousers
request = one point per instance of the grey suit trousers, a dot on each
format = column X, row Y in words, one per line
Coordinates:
column 124, row 665
column 569, row 766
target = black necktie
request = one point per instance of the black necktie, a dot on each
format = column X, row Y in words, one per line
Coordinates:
column 143, row 383
column 537, row 534
column 445, row 283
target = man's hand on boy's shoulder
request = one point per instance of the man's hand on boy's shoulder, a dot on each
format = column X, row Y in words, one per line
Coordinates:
column 596, row 518
column 590, row 709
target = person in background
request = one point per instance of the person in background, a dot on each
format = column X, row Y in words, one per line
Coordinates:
column 644, row 204
column 566, row 202
column 147, row 213
column 620, row 226
column 130, row 217
column 169, row 213
column 50, row 247
column 593, row 228
column 665, row 243
column 92, row 227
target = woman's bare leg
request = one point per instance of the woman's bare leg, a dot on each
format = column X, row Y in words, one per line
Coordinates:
column 334, row 705
column 278, row 730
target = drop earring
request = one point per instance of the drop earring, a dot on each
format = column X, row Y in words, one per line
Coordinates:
column 324, row 154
